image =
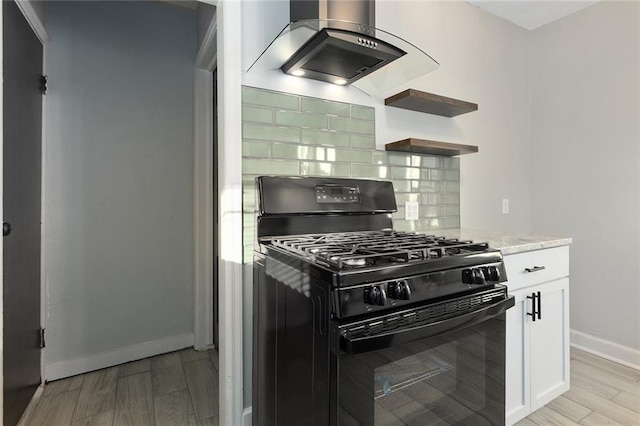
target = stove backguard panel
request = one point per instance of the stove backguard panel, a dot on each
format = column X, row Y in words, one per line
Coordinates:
column 304, row 136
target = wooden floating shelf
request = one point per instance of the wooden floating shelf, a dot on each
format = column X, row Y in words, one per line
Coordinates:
column 416, row 100
column 422, row 146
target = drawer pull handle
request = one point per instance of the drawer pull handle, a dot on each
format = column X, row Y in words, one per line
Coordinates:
column 534, row 269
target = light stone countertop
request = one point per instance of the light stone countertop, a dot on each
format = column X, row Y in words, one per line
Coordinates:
column 507, row 243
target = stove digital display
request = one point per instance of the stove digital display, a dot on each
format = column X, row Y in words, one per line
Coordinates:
column 337, row 194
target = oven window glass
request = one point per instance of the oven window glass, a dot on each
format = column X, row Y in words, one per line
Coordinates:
column 456, row 378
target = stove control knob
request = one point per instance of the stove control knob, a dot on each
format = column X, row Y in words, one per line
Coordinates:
column 375, row 296
column 399, row 290
column 467, row 276
column 494, row 273
column 478, row 276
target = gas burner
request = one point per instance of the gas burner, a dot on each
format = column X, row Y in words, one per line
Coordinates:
column 355, row 262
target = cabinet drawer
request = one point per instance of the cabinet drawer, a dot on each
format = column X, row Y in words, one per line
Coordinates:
column 554, row 260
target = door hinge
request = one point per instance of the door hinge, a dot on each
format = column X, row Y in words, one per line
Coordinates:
column 43, row 84
column 42, row 344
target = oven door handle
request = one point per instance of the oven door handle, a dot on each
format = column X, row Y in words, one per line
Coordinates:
column 389, row 339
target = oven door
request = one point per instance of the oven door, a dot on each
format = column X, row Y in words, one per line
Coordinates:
column 444, row 372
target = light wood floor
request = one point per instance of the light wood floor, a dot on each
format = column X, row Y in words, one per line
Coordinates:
column 179, row 388
column 602, row 393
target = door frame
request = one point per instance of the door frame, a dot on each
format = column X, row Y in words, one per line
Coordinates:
column 230, row 273
column 222, row 39
column 203, row 192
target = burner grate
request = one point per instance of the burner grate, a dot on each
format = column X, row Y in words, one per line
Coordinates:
column 372, row 248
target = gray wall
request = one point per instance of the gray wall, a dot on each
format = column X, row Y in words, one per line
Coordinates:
column 204, row 14
column 118, row 227
column 586, row 160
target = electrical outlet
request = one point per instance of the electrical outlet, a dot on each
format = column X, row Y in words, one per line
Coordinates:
column 411, row 210
column 505, row 206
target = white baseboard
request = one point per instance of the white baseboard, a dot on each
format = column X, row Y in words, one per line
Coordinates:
column 609, row 350
column 62, row 369
column 246, row 416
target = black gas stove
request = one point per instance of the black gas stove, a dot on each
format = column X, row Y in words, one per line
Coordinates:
column 338, row 292
column 380, row 270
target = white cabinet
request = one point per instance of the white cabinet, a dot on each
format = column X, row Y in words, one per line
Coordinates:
column 537, row 352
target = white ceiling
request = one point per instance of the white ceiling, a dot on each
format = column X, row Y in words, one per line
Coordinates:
column 531, row 14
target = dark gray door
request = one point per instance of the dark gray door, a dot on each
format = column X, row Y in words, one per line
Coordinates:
column 22, row 109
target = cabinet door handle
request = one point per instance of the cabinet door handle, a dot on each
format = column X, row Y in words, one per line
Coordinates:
column 539, row 306
column 533, row 312
column 534, row 269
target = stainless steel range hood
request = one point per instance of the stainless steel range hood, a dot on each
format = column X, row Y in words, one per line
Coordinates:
column 336, row 41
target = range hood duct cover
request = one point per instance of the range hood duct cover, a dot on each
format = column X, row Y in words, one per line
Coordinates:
column 336, row 41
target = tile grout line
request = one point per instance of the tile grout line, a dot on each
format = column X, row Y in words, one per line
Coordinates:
column 75, row 405
column 153, row 401
column 191, row 399
column 115, row 403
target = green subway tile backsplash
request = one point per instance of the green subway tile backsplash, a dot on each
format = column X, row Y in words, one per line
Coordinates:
column 324, row 138
column 298, row 119
column 450, row 210
column 257, row 114
column 427, row 162
column 270, row 167
column 430, row 211
column 362, row 141
column 399, row 159
column 270, row 133
column 406, row 185
column 363, row 113
column 351, row 126
column 285, row 134
column 452, row 187
column 268, row 98
column 350, row 155
column 372, row 172
column 402, row 198
column 302, row 152
column 379, row 157
column 321, row 106
column 324, row 169
column 451, row 162
column 405, row 173
column 258, row 149
column 439, row 174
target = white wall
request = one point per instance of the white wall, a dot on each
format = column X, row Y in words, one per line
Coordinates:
column 483, row 59
column 586, row 161
column 118, row 182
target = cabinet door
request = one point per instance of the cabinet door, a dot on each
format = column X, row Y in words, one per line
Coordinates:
column 549, row 343
column 517, row 381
